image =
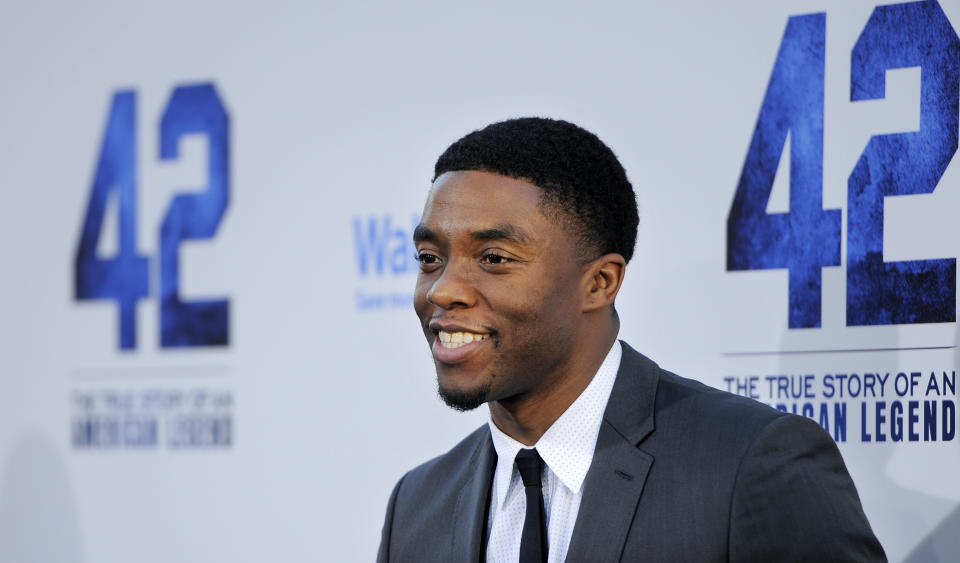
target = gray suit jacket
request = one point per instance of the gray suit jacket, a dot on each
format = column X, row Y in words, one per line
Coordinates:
column 681, row 472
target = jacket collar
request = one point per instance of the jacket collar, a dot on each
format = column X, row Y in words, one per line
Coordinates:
column 470, row 513
column 619, row 470
column 631, row 405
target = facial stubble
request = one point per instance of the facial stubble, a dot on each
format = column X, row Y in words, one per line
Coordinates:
column 463, row 400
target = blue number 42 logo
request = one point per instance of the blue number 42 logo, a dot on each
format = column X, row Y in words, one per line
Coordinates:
column 807, row 238
column 124, row 277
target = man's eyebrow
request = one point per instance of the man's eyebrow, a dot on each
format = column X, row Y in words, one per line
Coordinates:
column 423, row 234
column 506, row 232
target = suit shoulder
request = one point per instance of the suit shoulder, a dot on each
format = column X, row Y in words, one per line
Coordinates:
column 816, row 514
column 689, row 411
column 442, row 468
column 714, row 403
column 670, row 388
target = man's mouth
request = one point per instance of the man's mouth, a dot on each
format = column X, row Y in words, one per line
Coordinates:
column 459, row 338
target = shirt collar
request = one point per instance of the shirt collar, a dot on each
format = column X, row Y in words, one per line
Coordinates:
column 567, row 446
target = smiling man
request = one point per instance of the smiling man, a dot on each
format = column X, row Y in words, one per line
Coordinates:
column 592, row 452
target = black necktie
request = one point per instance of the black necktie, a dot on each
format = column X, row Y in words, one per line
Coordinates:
column 533, row 542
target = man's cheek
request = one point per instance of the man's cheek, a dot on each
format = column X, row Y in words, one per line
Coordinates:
column 420, row 301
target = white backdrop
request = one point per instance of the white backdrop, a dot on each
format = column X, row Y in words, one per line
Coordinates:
column 285, row 443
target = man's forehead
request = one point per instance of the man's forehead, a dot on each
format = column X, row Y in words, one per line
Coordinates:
column 480, row 190
column 484, row 204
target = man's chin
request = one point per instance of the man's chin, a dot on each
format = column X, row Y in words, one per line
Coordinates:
column 464, row 399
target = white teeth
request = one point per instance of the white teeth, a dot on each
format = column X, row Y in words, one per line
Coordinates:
column 458, row 339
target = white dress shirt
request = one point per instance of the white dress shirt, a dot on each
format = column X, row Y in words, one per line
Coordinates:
column 567, row 451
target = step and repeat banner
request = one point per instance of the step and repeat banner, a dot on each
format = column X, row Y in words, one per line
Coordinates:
column 209, row 351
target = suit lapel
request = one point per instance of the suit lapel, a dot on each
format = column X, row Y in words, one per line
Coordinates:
column 470, row 514
column 619, row 470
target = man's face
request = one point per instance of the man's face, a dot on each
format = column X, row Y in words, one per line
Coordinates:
column 498, row 294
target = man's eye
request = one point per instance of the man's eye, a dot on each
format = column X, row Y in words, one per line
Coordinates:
column 495, row 259
column 425, row 258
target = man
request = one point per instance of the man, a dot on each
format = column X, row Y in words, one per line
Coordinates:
column 523, row 246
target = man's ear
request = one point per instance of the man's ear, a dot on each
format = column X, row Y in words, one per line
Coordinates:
column 602, row 278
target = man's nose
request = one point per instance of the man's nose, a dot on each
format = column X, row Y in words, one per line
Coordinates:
column 453, row 287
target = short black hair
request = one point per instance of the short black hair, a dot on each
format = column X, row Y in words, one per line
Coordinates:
column 579, row 174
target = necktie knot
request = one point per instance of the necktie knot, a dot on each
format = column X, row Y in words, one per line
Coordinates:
column 530, row 465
